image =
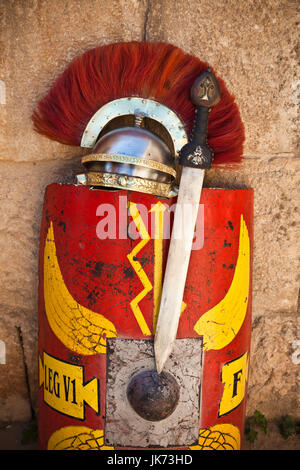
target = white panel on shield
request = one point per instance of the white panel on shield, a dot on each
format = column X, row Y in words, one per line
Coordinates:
column 146, row 409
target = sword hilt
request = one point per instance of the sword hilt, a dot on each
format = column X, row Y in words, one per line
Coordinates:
column 205, row 93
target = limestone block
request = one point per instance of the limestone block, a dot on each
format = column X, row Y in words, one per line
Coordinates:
column 276, row 228
column 14, row 398
column 21, row 200
column 274, row 377
column 38, row 40
column 21, row 206
column 253, row 46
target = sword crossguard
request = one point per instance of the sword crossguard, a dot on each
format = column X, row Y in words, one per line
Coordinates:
column 205, row 93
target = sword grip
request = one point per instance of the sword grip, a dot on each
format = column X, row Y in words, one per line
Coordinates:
column 205, row 94
column 199, row 132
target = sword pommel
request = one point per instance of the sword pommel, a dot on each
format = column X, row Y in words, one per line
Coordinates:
column 206, row 90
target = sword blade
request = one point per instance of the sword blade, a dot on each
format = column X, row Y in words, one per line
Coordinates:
column 177, row 263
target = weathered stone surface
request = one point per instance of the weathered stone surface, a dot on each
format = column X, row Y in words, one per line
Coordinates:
column 274, row 386
column 38, row 40
column 14, row 398
column 276, row 228
column 21, row 205
column 253, row 45
column 20, row 212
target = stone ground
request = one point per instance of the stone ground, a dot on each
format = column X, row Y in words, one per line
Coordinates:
column 273, row 441
column 11, row 435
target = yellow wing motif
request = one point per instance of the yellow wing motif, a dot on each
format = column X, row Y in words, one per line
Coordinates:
column 77, row 438
column 219, row 437
column 219, row 325
column 80, row 329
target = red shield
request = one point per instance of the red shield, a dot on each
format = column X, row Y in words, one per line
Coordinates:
column 102, row 258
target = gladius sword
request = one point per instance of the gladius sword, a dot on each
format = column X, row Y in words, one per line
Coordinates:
column 195, row 157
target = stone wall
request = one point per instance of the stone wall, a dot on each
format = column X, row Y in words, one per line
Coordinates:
column 253, row 46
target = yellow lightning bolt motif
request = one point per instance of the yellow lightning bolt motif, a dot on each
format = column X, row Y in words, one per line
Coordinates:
column 145, row 237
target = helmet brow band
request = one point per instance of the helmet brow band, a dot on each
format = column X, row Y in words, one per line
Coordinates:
column 128, row 159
